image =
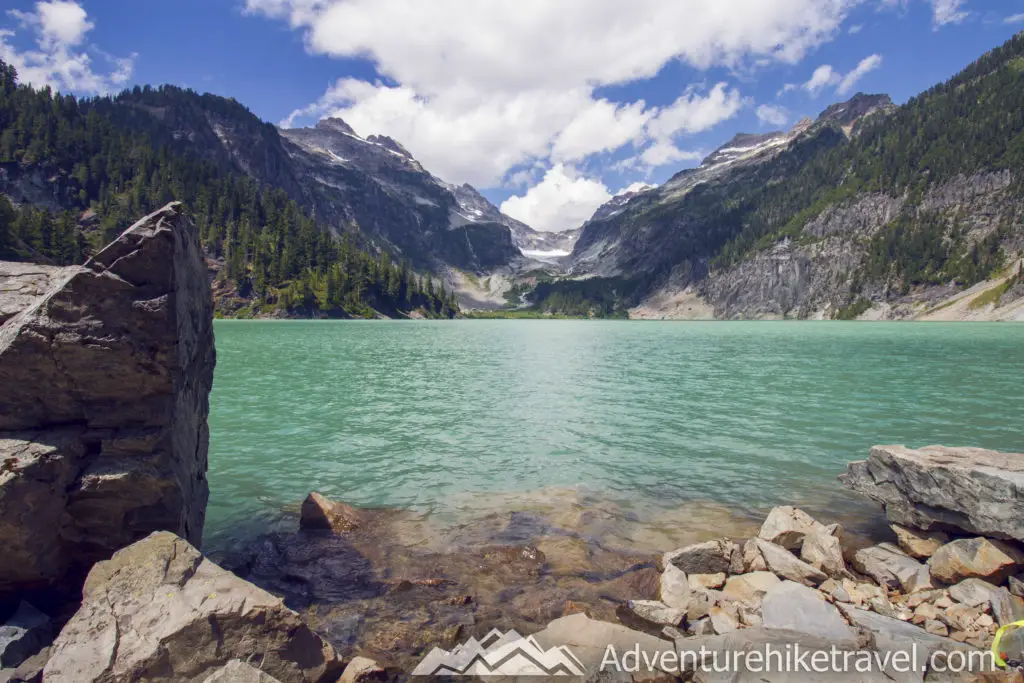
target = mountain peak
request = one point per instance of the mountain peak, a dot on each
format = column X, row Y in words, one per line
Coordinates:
column 389, row 143
column 855, row 108
column 337, row 125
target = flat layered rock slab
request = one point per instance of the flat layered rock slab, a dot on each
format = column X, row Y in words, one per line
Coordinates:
column 938, row 488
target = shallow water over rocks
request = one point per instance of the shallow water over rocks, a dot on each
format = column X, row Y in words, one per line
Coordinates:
column 404, row 583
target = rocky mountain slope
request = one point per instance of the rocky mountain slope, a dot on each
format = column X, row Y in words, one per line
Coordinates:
column 370, row 187
column 870, row 210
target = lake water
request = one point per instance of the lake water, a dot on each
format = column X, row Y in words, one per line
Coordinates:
column 660, row 425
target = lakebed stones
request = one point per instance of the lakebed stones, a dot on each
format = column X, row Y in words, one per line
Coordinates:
column 937, row 488
column 363, row 670
column 103, row 415
column 981, row 558
column 159, row 610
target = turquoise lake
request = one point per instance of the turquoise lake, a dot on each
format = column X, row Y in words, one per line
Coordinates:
column 643, row 419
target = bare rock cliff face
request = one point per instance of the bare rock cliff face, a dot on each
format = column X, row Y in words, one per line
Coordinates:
column 106, row 376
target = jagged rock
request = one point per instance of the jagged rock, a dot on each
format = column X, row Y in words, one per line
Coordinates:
column 675, row 589
column 787, row 526
column 29, row 671
column 1016, row 584
column 750, row 588
column 103, row 413
column 919, row 544
column 711, row 557
column 796, row 607
column 701, row 602
column 159, row 610
column 656, row 612
column 980, row 558
column 972, row 592
column 935, row 488
column 936, row 628
column 724, row 618
column 887, row 565
column 753, row 560
column 921, row 581
column 925, row 612
column 701, row 627
column 893, row 635
column 702, row 653
column 782, row 562
column 363, row 670
column 237, row 671
column 822, row 550
column 1006, row 607
column 25, row 633
column 960, row 617
column 713, row 581
column 320, row 513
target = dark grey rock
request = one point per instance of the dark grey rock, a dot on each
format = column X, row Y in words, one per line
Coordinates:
column 967, row 489
column 103, row 416
column 27, row 632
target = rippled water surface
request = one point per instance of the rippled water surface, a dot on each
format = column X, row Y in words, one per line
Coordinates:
column 659, row 425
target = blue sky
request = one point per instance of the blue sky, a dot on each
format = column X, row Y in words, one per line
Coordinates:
column 548, row 108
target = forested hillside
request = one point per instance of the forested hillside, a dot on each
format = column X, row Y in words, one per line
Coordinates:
column 928, row 194
column 81, row 170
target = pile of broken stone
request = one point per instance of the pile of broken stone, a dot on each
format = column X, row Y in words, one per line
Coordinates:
column 943, row 578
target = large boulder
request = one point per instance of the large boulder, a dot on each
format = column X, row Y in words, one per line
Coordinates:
column 980, row 558
column 968, row 489
column 106, row 378
column 919, row 544
column 158, row 610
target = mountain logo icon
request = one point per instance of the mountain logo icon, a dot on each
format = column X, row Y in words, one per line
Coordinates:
column 500, row 654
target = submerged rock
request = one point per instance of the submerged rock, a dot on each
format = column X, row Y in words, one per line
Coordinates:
column 320, row 513
column 936, row 488
column 103, row 415
column 159, row 610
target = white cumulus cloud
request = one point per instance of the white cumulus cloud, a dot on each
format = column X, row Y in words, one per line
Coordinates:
column 825, row 76
column 59, row 60
column 478, row 89
column 772, row 115
column 948, row 12
column 562, row 200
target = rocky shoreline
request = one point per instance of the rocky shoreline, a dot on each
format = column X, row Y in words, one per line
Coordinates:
column 107, row 370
